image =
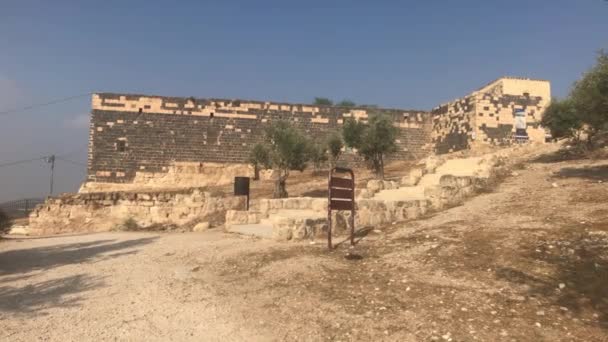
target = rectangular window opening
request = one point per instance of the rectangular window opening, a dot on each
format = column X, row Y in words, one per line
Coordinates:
column 121, row 146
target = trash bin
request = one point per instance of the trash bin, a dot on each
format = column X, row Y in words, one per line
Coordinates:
column 241, row 187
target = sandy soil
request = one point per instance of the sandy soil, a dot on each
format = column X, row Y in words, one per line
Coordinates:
column 525, row 262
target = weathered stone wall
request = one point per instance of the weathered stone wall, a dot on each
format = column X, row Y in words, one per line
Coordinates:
column 487, row 115
column 133, row 134
column 93, row 212
column 453, row 125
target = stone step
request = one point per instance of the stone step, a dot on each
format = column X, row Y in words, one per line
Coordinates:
column 284, row 224
column 402, row 194
column 262, row 230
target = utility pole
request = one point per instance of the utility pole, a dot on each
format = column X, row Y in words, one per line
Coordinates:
column 51, row 160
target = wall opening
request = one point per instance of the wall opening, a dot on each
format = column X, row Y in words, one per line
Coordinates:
column 121, row 146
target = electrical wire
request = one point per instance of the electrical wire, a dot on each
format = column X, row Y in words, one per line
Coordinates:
column 65, row 99
column 21, row 161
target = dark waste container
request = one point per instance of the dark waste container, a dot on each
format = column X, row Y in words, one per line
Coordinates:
column 241, row 187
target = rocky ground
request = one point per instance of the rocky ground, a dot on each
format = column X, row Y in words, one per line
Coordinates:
column 527, row 261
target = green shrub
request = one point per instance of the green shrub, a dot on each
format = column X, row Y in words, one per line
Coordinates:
column 129, row 225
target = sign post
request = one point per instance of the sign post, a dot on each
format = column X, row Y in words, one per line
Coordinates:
column 341, row 196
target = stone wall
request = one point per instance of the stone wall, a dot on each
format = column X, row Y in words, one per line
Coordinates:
column 93, row 212
column 487, row 116
column 453, row 125
column 137, row 134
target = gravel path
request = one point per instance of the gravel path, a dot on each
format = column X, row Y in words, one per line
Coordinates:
column 526, row 262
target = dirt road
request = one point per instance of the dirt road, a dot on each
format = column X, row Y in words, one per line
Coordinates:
column 526, row 262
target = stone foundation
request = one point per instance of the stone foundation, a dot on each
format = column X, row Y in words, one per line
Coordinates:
column 94, row 212
column 178, row 175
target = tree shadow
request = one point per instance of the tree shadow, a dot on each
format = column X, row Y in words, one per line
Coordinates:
column 41, row 258
column 580, row 280
column 597, row 173
column 47, row 294
column 560, row 155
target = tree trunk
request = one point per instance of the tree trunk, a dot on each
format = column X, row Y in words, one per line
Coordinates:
column 280, row 189
column 256, row 172
column 381, row 167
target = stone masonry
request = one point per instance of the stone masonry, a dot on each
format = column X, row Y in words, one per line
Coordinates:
column 137, row 139
column 138, row 134
column 487, row 115
column 95, row 212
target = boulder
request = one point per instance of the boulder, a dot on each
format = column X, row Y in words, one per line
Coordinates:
column 413, row 177
column 375, row 185
column 200, row 227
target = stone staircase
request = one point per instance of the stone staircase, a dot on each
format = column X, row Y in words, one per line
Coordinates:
column 433, row 184
column 281, row 219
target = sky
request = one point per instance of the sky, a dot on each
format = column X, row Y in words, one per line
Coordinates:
column 397, row 54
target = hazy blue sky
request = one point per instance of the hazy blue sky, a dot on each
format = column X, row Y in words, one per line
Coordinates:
column 405, row 54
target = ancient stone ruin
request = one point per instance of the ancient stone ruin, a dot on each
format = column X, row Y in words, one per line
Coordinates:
column 149, row 155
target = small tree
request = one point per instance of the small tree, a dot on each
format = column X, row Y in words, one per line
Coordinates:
column 259, row 158
column 352, row 132
column 590, row 97
column 318, row 155
column 346, row 103
column 373, row 141
column 334, row 146
column 561, row 119
column 288, row 149
column 323, row 101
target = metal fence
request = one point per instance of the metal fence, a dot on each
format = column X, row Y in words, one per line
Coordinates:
column 20, row 208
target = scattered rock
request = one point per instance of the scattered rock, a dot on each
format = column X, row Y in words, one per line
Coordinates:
column 561, row 286
column 554, row 185
column 200, row 227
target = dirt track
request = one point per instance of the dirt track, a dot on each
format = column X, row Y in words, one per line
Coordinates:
column 527, row 262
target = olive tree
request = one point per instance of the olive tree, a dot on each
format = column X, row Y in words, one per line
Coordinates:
column 334, row 146
column 317, row 154
column 259, row 158
column 561, row 119
column 586, row 107
column 373, row 140
column 590, row 97
column 323, row 101
column 288, row 150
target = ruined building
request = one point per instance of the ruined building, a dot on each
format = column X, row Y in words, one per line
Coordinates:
column 155, row 141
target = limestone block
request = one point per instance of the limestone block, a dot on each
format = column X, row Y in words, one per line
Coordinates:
column 282, row 230
column 431, row 163
column 318, row 204
column 144, row 197
column 299, row 230
column 160, row 213
column 253, row 217
column 237, row 217
column 263, row 206
column 375, row 185
column 364, row 193
column 146, row 203
column 200, row 227
column 413, row 177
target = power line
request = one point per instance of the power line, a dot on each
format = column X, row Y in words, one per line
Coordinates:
column 17, row 162
column 65, row 99
column 21, row 161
